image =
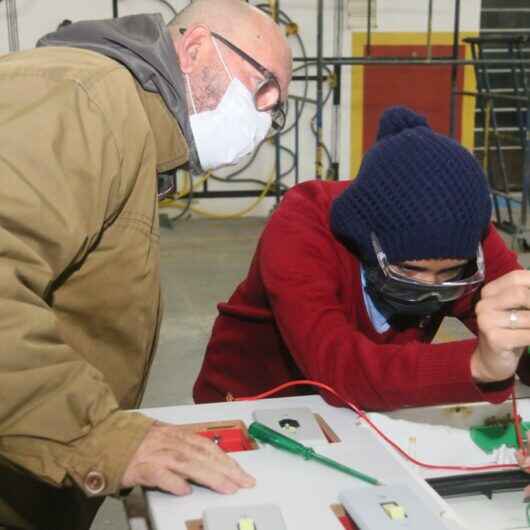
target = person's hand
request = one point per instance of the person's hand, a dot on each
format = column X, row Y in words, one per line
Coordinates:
column 172, row 455
column 503, row 319
column 523, row 459
column 523, row 456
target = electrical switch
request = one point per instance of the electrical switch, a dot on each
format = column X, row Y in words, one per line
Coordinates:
column 246, row 523
column 395, row 511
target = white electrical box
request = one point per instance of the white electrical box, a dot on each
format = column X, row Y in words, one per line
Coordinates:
column 298, row 423
column 257, row 517
column 389, row 508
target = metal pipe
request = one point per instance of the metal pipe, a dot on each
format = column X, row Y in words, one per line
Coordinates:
column 296, row 143
column 369, row 29
column 397, row 61
column 486, row 95
column 301, row 98
column 335, row 120
column 429, row 31
column 526, row 174
column 233, row 194
column 12, row 25
column 320, row 97
column 307, row 78
column 275, row 10
column 115, row 8
column 454, row 72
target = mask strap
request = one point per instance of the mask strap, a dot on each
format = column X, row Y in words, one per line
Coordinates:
column 222, row 59
column 191, row 94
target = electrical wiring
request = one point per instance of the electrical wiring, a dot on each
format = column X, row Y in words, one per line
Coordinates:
column 283, row 187
column 188, row 194
column 362, row 415
column 233, row 215
column 285, row 19
column 169, row 6
column 231, row 176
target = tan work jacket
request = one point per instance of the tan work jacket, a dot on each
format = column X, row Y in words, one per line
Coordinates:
column 80, row 146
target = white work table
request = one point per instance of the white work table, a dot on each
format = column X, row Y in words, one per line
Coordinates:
column 305, row 490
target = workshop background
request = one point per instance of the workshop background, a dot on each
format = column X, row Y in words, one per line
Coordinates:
column 343, row 80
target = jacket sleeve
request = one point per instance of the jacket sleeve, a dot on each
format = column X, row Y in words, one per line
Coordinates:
column 60, row 167
column 300, row 267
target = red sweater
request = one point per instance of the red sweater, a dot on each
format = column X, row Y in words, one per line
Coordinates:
column 300, row 314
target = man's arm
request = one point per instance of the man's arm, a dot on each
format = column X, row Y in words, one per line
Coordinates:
column 60, row 167
column 59, row 420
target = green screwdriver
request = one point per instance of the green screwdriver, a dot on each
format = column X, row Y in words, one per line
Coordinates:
column 265, row 434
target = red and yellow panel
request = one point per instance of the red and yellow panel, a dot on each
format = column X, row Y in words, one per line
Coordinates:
column 426, row 89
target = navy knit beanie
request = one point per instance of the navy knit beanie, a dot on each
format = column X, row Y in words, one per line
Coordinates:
column 423, row 195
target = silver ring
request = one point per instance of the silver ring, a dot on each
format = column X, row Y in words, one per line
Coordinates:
column 513, row 319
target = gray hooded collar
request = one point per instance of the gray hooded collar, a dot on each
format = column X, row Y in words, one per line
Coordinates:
column 142, row 43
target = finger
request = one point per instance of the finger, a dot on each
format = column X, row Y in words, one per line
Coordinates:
column 206, row 475
column 514, row 297
column 205, row 448
column 526, row 494
column 210, row 450
column 172, row 483
column 156, row 474
column 186, row 447
column 515, row 319
column 214, row 473
column 522, row 460
column 508, row 340
column 500, row 285
column 205, row 445
column 224, row 463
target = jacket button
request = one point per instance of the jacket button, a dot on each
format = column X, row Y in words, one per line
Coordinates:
column 95, row 483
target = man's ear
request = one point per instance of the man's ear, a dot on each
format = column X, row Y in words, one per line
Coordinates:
column 193, row 45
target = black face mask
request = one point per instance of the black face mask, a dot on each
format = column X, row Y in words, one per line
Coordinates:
column 393, row 307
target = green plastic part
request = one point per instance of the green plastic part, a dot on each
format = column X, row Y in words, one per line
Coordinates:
column 265, row 434
column 491, row 437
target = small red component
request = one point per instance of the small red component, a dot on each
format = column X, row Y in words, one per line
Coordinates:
column 228, row 439
column 348, row 523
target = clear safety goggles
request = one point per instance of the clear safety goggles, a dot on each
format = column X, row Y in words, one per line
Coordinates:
column 395, row 283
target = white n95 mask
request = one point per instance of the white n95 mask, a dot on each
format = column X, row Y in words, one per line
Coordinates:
column 231, row 131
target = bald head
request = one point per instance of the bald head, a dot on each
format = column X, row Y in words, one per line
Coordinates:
column 247, row 27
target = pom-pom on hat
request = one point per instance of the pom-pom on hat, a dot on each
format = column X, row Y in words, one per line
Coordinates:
column 422, row 194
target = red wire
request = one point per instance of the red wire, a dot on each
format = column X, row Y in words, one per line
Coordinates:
column 363, row 416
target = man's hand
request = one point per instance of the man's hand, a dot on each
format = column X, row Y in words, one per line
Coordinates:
column 503, row 319
column 171, row 455
column 523, row 459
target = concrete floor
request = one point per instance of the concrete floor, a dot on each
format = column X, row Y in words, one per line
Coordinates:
column 202, row 262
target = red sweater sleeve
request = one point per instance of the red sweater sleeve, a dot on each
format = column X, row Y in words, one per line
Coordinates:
column 300, row 267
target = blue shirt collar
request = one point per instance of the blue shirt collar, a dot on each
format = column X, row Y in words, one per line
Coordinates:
column 377, row 318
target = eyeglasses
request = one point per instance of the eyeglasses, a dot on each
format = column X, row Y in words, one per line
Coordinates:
column 268, row 94
column 398, row 285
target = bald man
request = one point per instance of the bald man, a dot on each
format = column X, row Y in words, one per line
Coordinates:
column 87, row 120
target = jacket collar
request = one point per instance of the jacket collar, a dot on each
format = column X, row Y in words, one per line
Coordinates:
column 143, row 44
